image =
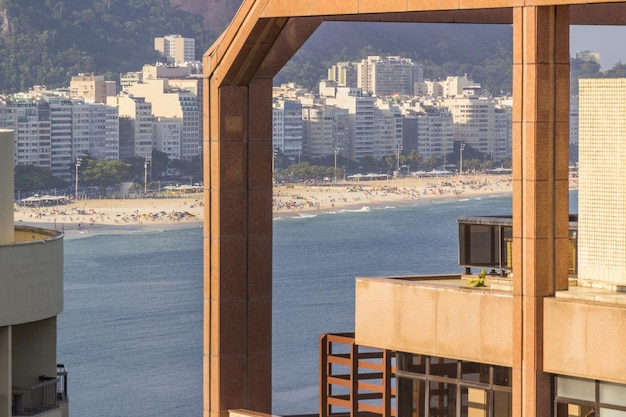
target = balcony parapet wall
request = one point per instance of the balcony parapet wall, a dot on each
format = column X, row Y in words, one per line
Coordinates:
column 584, row 334
column 435, row 315
column 31, row 279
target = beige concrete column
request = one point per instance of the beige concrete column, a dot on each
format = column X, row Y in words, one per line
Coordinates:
column 6, row 186
column 5, row 371
column 540, row 190
column 238, row 248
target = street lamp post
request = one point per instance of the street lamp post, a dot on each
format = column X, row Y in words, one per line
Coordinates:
column 461, row 158
column 78, row 161
column 398, row 150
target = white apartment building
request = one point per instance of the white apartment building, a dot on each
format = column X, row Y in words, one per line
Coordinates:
column 429, row 131
column 588, row 56
column 136, row 124
column 89, row 87
column 361, row 111
column 52, row 131
column 290, row 91
column 62, row 156
column 451, row 87
column 89, row 130
column 325, row 129
column 387, row 129
column 475, row 125
column 168, row 136
column 176, row 99
column 345, row 74
column 287, row 128
column 22, row 116
column 502, row 133
column 390, row 75
column 176, row 48
column 112, row 135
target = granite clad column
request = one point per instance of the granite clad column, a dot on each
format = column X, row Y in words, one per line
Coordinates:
column 540, row 191
column 238, row 242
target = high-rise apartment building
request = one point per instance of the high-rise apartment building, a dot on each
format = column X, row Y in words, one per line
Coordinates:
column 287, row 128
column 136, row 125
column 478, row 122
column 62, row 153
column 390, row 75
column 361, row 111
column 176, row 99
column 32, row 131
column 345, row 74
column 325, row 129
column 176, row 48
column 429, row 131
column 51, row 131
column 167, row 137
column 91, row 88
column 387, row 129
column 602, row 176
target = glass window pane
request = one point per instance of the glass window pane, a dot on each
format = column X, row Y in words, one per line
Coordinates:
column 442, row 401
column 502, row 404
column 443, row 367
column 474, row 402
column 575, row 410
column 576, row 388
column 502, row 376
column 614, row 394
column 607, row 412
column 412, row 363
column 475, row 372
column 411, row 395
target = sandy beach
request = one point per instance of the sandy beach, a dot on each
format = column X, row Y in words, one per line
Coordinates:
column 288, row 200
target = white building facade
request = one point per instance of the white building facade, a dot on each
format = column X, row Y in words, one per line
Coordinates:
column 287, row 128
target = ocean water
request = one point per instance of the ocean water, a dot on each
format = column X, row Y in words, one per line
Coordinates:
column 131, row 332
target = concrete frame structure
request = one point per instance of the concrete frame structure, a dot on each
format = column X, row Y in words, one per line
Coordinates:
column 239, row 69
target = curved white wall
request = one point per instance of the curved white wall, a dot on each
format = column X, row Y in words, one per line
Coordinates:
column 31, row 284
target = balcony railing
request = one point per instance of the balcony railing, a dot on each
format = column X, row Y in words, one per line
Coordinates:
column 355, row 380
column 487, row 243
column 42, row 397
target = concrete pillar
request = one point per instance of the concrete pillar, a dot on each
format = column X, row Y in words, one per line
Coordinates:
column 238, row 248
column 5, row 371
column 6, row 186
column 540, row 190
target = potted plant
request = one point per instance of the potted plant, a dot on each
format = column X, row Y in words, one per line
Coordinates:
column 478, row 282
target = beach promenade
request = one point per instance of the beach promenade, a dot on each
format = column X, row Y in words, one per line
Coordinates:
column 288, row 200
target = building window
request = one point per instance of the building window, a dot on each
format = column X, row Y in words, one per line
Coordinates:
column 430, row 386
column 578, row 397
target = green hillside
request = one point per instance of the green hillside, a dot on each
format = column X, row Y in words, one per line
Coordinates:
column 483, row 52
column 48, row 41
